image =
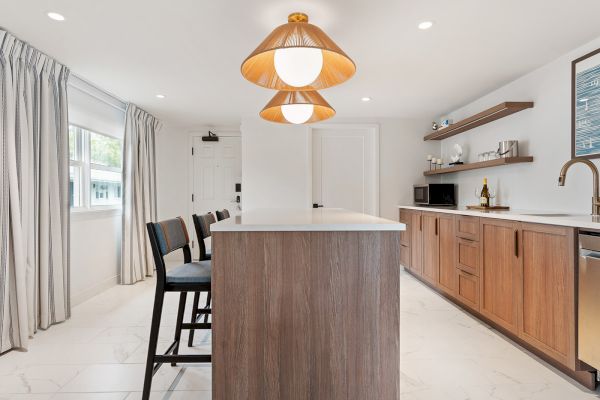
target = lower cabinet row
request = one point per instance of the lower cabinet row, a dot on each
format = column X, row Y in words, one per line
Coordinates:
column 520, row 276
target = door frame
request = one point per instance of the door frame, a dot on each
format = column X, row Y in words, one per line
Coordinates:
column 373, row 130
column 221, row 132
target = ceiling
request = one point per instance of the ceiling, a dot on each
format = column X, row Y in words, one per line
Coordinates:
column 191, row 50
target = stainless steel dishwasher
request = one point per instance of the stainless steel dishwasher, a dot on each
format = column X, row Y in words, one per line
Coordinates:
column 589, row 298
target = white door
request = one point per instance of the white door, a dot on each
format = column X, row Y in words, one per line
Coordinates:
column 217, row 167
column 346, row 168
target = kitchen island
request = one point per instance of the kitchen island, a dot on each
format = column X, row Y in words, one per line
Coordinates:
column 306, row 306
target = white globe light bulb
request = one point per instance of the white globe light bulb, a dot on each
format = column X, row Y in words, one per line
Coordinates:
column 298, row 66
column 297, row 113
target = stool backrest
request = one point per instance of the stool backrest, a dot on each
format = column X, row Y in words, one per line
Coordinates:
column 221, row 215
column 165, row 237
column 202, row 225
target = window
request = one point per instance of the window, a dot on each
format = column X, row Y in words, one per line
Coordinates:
column 95, row 169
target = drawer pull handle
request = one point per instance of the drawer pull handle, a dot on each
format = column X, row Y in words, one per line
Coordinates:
column 462, row 271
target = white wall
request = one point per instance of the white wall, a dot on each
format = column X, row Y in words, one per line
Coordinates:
column 95, row 235
column 543, row 132
column 172, row 171
column 402, row 160
column 95, row 253
column 277, row 159
column 276, row 165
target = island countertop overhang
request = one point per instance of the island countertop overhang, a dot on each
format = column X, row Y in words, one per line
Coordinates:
column 305, row 220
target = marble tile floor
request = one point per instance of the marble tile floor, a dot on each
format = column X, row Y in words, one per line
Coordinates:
column 99, row 354
column 447, row 354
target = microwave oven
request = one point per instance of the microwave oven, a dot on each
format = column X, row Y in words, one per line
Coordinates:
column 435, row 194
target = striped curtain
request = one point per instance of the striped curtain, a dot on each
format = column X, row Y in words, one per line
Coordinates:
column 139, row 194
column 34, row 201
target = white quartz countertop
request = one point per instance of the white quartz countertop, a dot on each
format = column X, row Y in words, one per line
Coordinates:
column 534, row 216
column 312, row 219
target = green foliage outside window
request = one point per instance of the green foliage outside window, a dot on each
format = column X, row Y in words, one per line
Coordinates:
column 105, row 150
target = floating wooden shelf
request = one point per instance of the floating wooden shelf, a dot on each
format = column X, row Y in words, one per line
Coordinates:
column 478, row 165
column 500, row 111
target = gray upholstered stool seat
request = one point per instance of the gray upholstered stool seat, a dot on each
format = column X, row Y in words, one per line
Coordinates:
column 193, row 272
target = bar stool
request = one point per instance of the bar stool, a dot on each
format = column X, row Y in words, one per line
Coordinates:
column 202, row 225
column 166, row 237
column 221, row 215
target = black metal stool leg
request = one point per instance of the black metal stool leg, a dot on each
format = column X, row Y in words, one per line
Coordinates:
column 194, row 314
column 208, row 298
column 180, row 312
column 154, row 329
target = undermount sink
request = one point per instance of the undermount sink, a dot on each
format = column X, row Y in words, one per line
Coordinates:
column 549, row 215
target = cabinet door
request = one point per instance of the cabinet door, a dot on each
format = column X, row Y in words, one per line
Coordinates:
column 467, row 227
column 447, row 270
column 467, row 256
column 467, row 289
column 405, row 256
column 431, row 248
column 416, row 243
column 499, row 272
column 548, row 291
column 406, row 220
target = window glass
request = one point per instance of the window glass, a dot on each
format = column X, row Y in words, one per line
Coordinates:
column 105, row 189
column 72, row 143
column 105, row 150
column 74, row 186
column 94, row 170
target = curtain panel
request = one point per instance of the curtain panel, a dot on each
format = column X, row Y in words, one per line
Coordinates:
column 139, row 194
column 34, row 194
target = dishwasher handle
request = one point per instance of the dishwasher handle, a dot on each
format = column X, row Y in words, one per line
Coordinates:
column 584, row 253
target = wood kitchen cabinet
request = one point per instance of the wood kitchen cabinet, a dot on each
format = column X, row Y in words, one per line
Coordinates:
column 416, row 242
column 547, row 313
column 499, row 272
column 467, row 256
column 405, row 218
column 520, row 276
column 447, row 270
column 467, row 227
column 467, row 289
column 431, row 248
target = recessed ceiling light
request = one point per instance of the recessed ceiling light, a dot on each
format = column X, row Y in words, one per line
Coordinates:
column 56, row 16
column 365, row 99
column 160, row 96
column 425, row 25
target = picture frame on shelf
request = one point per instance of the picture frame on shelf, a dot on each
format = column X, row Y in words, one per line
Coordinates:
column 585, row 106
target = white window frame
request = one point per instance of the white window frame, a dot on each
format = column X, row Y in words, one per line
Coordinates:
column 83, row 155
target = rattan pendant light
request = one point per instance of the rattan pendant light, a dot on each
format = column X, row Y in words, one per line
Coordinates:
column 298, row 56
column 297, row 108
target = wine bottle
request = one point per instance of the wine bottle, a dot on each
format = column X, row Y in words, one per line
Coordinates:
column 484, row 198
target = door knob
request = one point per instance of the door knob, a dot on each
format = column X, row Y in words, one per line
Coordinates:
column 315, row 205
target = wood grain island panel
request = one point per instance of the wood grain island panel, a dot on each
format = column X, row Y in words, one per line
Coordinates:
column 306, row 315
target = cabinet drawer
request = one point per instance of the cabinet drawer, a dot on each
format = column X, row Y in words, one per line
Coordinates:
column 467, row 289
column 405, row 256
column 467, row 256
column 467, row 227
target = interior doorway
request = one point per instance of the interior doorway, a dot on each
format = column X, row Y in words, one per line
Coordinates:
column 216, row 175
column 345, row 167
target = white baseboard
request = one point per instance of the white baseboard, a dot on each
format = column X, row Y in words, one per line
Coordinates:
column 78, row 298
